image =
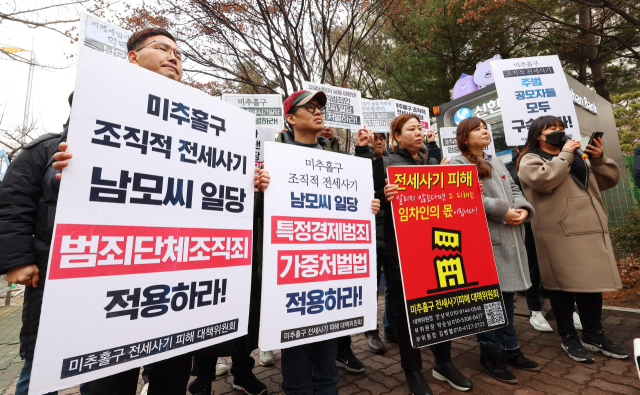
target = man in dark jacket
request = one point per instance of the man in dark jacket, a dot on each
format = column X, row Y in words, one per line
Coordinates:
column 329, row 132
column 308, row 368
column 380, row 162
column 25, row 236
column 170, row 376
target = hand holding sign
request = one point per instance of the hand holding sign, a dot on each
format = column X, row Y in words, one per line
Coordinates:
column 365, row 137
column 390, row 190
column 261, row 180
column 60, row 159
column 431, row 136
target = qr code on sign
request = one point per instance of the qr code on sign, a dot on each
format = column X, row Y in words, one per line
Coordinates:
column 494, row 313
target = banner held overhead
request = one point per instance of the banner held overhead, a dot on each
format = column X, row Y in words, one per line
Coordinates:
column 344, row 108
column 529, row 88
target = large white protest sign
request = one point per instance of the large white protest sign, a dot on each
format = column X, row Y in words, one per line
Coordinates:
column 263, row 134
column 529, row 88
column 450, row 144
column 267, row 108
column 103, row 36
column 344, row 108
column 377, row 114
column 151, row 252
column 402, row 107
column 319, row 270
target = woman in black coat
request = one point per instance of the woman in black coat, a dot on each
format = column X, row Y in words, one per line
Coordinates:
column 408, row 150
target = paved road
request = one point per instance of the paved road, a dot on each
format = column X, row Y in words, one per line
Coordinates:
column 559, row 374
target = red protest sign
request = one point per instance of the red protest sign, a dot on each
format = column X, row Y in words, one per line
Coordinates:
column 449, row 276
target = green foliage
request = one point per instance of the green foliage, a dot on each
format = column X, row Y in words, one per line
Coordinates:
column 625, row 237
column 626, row 110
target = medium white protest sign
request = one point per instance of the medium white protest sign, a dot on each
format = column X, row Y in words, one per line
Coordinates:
column 151, row 252
column 529, row 88
column 263, row 134
column 402, row 107
column 377, row 114
column 267, row 108
column 344, row 107
column 450, row 144
column 319, row 270
column 103, row 36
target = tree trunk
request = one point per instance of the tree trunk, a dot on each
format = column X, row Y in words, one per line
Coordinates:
column 582, row 73
column 590, row 50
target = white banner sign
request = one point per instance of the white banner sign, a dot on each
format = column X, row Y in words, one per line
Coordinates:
column 378, row 114
column 103, row 36
column 263, row 134
column 344, row 106
column 529, row 88
column 151, row 252
column 267, row 108
column 319, row 271
column 450, row 144
column 402, row 107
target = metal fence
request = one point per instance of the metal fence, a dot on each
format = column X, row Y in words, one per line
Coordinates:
column 618, row 201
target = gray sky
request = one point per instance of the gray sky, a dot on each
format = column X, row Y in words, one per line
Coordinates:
column 51, row 88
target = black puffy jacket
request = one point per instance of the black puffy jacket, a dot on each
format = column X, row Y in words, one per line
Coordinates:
column 26, row 227
column 401, row 157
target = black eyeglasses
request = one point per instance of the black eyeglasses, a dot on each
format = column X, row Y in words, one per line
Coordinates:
column 164, row 48
column 310, row 107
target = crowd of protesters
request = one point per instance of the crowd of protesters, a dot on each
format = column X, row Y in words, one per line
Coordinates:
column 546, row 219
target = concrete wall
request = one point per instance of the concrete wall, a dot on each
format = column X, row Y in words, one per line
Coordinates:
column 602, row 122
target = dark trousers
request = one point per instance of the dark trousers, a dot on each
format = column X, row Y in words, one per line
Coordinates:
column 310, row 369
column 344, row 344
column 534, row 294
column 505, row 336
column 410, row 358
column 390, row 300
column 168, row 377
column 204, row 369
column 589, row 309
column 390, row 295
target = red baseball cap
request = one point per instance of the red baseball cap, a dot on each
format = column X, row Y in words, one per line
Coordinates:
column 303, row 97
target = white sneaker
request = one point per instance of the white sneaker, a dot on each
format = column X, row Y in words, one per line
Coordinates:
column 221, row 369
column 539, row 323
column 145, row 389
column 266, row 358
column 576, row 321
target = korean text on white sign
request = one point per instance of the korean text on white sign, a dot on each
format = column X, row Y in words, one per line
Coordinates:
column 450, row 143
column 319, row 270
column 402, row 107
column 151, row 252
column 344, row 108
column 378, row 114
column 529, row 88
column 267, row 108
column 103, row 36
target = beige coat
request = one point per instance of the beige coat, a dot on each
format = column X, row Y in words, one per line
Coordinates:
column 570, row 230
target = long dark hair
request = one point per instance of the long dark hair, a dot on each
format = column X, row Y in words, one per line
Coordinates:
column 538, row 126
column 396, row 127
column 462, row 133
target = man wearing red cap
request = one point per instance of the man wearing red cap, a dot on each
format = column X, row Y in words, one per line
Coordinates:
column 309, row 368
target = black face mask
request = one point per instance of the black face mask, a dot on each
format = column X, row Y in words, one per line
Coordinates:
column 556, row 138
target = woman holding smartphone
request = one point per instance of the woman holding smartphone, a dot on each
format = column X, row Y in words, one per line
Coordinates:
column 575, row 254
column 506, row 209
column 407, row 150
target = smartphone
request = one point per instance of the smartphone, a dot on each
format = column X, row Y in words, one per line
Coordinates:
column 594, row 135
